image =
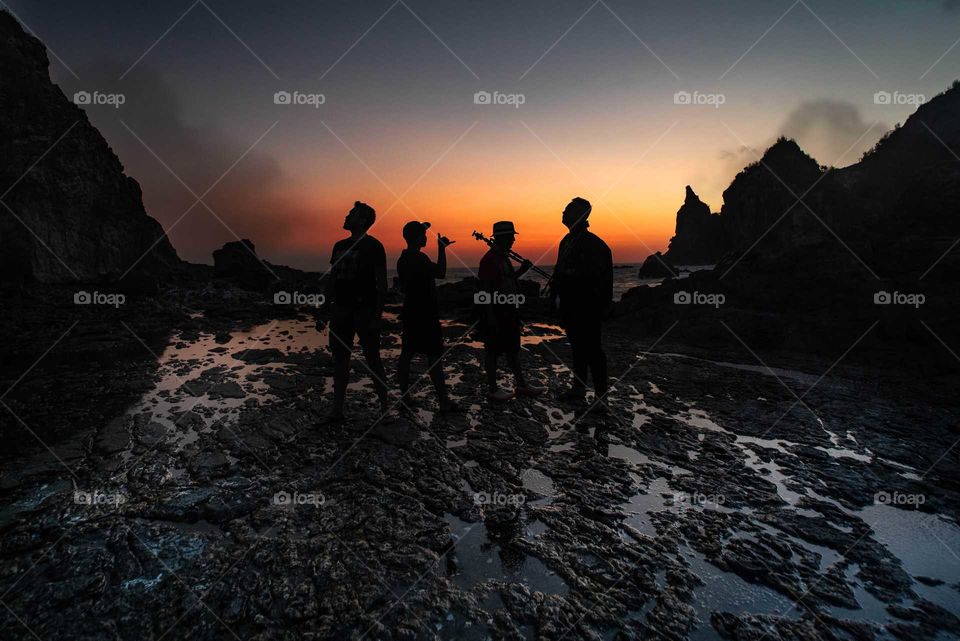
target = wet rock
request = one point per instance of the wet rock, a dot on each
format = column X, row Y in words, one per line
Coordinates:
column 399, row 432
column 259, row 356
column 152, row 434
column 228, row 389
column 114, row 437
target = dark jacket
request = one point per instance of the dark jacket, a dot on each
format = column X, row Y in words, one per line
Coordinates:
column 584, row 274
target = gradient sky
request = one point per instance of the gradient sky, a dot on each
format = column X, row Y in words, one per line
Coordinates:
column 399, row 128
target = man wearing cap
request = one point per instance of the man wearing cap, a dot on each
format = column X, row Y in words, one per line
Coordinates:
column 583, row 283
column 356, row 290
column 500, row 312
column 421, row 311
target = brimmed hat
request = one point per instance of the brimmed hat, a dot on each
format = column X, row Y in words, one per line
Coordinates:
column 504, row 228
column 414, row 228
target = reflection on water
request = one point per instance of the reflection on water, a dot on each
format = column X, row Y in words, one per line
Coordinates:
column 477, row 559
column 928, row 545
column 727, row 592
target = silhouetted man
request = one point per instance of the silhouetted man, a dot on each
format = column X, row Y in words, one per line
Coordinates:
column 421, row 311
column 583, row 282
column 500, row 299
column 356, row 289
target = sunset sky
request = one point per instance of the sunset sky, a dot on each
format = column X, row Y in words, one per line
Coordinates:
column 400, row 130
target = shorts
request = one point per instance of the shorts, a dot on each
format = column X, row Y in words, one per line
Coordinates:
column 348, row 322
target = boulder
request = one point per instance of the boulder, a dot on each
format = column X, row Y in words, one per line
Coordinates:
column 657, row 266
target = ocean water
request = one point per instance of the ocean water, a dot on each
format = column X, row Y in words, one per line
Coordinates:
column 624, row 276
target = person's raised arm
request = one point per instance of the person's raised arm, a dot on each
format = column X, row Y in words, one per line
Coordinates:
column 440, row 271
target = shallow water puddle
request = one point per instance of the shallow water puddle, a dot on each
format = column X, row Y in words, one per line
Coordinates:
column 927, row 546
column 212, row 379
column 727, row 592
column 477, row 560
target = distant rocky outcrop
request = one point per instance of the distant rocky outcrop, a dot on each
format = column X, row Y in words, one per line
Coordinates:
column 656, row 266
column 237, row 263
column 237, row 259
column 813, row 276
column 699, row 238
column 68, row 211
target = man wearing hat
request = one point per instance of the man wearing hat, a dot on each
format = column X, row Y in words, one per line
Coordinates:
column 583, row 282
column 500, row 312
column 421, row 312
column 356, row 290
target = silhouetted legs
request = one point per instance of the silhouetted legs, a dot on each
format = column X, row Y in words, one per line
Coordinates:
column 435, row 370
column 343, row 326
column 588, row 356
column 513, row 360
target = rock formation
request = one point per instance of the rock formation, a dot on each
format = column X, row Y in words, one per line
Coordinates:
column 804, row 277
column 766, row 192
column 68, row 211
column 699, row 234
column 657, row 266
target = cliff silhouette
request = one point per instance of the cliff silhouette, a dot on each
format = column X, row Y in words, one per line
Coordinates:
column 70, row 213
column 905, row 187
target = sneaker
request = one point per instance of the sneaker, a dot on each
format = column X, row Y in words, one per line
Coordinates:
column 499, row 395
column 530, row 390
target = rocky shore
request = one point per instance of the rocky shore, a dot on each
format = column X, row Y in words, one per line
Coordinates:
column 190, row 490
